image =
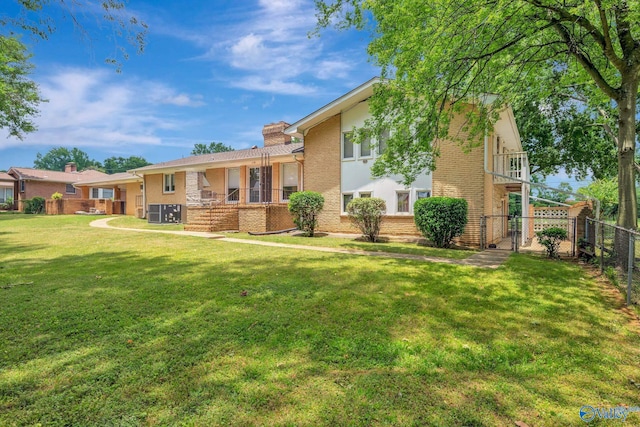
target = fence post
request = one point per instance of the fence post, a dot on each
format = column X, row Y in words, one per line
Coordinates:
column 630, row 267
column 602, row 249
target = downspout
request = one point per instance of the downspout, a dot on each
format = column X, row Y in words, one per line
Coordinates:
column 301, row 163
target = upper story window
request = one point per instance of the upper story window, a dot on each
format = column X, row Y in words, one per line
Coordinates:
column 382, row 141
column 70, row 189
column 169, row 182
column 365, row 148
column 347, row 145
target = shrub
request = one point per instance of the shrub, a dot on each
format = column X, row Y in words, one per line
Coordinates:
column 365, row 214
column 305, row 206
column 440, row 219
column 34, row 205
column 56, row 196
column 8, row 204
column 551, row 238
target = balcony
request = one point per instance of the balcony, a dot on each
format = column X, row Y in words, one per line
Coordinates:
column 513, row 166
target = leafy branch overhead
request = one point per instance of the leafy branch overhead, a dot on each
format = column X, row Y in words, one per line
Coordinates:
column 442, row 54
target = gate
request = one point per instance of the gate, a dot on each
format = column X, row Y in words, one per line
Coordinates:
column 518, row 233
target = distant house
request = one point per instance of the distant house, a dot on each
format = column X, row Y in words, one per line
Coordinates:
column 123, row 190
column 341, row 170
column 7, row 184
column 31, row 183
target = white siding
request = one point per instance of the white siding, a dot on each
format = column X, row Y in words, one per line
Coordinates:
column 356, row 173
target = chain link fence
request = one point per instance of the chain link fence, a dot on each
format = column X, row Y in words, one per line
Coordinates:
column 614, row 249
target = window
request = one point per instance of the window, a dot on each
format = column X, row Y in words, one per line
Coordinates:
column 254, row 185
column 289, row 179
column 382, row 141
column 365, row 148
column 347, row 146
column 365, row 194
column 22, row 186
column 346, row 198
column 70, row 189
column 102, row 193
column 403, row 201
column 422, row 194
column 169, row 182
column 233, row 184
column 6, row 194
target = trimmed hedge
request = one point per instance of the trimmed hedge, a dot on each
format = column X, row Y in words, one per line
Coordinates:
column 440, row 219
column 366, row 213
column 34, row 205
column 305, row 206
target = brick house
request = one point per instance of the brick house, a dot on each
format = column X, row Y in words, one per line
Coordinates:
column 341, row 170
column 119, row 193
column 244, row 190
column 31, row 183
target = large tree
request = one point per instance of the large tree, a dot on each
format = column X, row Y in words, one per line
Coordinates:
column 442, row 54
column 19, row 97
column 122, row 164
column 213, row 147
column 56, row 159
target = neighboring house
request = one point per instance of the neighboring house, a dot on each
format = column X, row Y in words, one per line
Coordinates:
column 7, row 183
column 43, row 183
column 341, row 170
column 244, row 190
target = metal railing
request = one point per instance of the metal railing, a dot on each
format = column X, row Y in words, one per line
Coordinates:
column 242, row 196
column 614, row 249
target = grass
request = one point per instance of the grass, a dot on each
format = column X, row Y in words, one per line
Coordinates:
column 106, row 327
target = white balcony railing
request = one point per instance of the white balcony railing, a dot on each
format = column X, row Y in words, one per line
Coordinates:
column 513, row 166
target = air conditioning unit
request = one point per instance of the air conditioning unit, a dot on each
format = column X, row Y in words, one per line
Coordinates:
column 164, row 214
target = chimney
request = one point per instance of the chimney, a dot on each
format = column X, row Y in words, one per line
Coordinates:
column 70, row 167
column 273, row 134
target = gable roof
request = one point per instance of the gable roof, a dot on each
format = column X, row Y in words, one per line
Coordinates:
column 198, row 162
column 6, row 177
column 30, row 174
column 346, row 101
column 114, row 179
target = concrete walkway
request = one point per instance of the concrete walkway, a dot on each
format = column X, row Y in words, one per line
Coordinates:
column 491, row 258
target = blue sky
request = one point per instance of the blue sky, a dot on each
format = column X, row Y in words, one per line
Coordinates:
column 211, row 71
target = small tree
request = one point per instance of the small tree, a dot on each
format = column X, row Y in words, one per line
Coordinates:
column 366, row 215
column 440, row 219
column 551, row 238
column 305, row 206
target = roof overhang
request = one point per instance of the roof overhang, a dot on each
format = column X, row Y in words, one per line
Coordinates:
column 346, row 101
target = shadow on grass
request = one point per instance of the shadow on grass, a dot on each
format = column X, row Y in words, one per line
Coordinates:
column 216, row 333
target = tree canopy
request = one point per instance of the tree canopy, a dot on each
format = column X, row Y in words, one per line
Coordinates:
column 56, row 159
column 122, row 164
column 443, row 54
column 19, row 96
column 213, row 147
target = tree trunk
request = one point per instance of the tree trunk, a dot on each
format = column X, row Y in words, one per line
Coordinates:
column 627, row 207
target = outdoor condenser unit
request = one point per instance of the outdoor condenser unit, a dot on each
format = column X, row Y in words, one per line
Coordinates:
column 164, row 214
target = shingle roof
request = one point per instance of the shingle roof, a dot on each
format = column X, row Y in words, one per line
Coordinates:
column 55, row 176
column 116, row 178
column 227, row 156
column 6, row 177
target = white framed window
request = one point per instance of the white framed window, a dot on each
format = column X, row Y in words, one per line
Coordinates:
column 70, row 189
column 169, row 183
column 289, row 180
column 5, row 194
column 346, row 198
column 402, row 198
column 233, row 184
column 382, row 141
column 102, row 193
column 364, row 194
column 422, row 194
column 347, row 146
column 365, row 148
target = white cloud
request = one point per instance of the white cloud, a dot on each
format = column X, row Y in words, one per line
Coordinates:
column 97, row 108
column 257, row 83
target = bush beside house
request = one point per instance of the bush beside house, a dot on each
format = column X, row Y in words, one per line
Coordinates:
column 440, row 219
column 365, row 214
column 305, row 206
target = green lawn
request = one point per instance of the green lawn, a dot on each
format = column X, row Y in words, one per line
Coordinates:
column 108, row 327
column 133, row 222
